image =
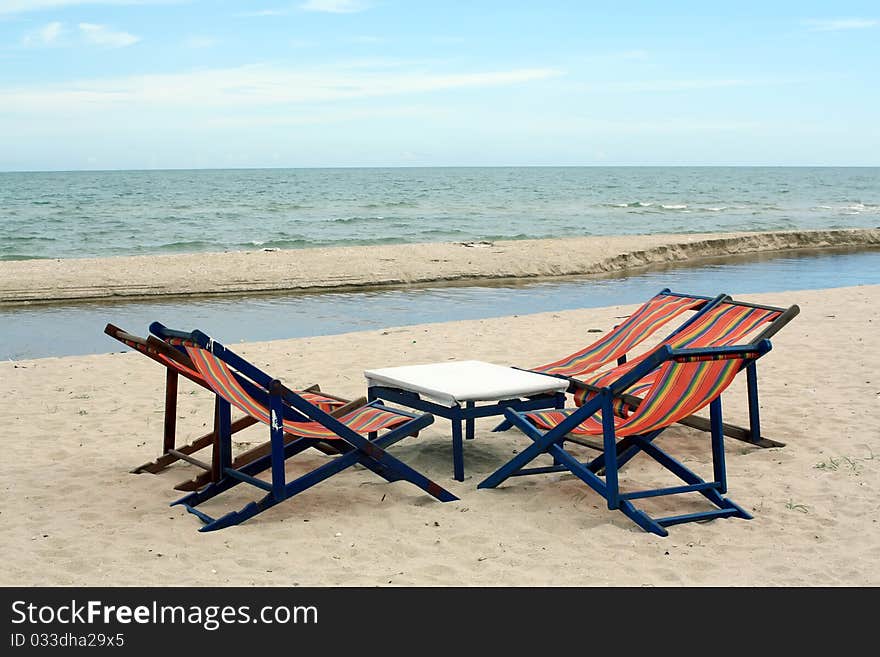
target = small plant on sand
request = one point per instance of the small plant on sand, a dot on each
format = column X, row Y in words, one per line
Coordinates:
column 834, row 464
column 791, row 506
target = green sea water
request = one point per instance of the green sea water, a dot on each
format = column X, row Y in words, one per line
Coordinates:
column 88, row 214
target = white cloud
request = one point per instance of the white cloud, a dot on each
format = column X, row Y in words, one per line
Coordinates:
column 101, row 35
column 335, row 6
column 838, row 24
column 254, row 87
column 421, row 112
column 24, row 6
column 45, row 36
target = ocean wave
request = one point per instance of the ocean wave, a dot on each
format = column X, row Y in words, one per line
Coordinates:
column 359, row 220
column 443, row 231
column 518, row 236
column 391, row 204
column 284, row 243
column 647, row 204
column 283, row 207
column 23, row 256
column 632, row 204
column 185, row 244
column 852, row 208
column 27, row 238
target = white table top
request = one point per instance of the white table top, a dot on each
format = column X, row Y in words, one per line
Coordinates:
column 454, row 382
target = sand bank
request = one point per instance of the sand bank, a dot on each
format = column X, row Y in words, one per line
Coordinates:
column 406, row 264
column 72, row 515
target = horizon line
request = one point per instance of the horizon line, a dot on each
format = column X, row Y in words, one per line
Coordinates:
column 456, row 166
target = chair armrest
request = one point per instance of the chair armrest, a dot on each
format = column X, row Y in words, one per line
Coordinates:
column 160, row 330
column 123, row 336
column 721, row 353
column 170, row 352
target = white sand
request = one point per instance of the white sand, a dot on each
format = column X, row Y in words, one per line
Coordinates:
column 338, row 268
column 72, row 515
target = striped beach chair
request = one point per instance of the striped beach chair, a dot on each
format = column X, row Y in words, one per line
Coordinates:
column 683, row 382
column 651, row 316
column 177, row 364
column 725, row 323
column 654, row 314
column 295, row 424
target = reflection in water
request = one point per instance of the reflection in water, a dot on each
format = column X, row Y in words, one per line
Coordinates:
column 58, row 330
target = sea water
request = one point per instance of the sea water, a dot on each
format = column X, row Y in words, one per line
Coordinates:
column 107, row 213
column 65, row 329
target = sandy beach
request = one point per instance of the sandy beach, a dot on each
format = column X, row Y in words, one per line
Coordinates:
column 74, row 426
column 356, row 267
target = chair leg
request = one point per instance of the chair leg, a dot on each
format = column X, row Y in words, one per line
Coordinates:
column 614, row 456
column 541, row 443
column 610, row 444
column 295, row 487
column 725, row 508
column 170, row 426
column 398, row 470
column 222, row 456
column 253, row 468
column 372, row 455
column 754, row 410
column 204, row 478
column 457, row 449
column 642, row 519
column 157, row 465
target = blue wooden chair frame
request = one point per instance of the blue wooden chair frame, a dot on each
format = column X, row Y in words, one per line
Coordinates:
column 284, row 403
column 616, row 454
column 751, row 434
column 156, row 348
column 575, row 383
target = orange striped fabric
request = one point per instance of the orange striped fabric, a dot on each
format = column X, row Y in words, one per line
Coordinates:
column 220, row 378
column 162, row 358
column 658, row 311
column 326, row 404
column 724, row 325
column 180, row 367
column 363, row 420
column 678, row 390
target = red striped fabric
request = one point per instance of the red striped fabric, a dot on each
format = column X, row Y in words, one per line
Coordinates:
column 180, row 367
column 362, row 420
column 679, row 389
column 326, row 404
column 220, row 378
column 724, row 325
column 652, row 315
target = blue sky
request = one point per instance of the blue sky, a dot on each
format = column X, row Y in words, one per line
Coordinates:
column 117, row 84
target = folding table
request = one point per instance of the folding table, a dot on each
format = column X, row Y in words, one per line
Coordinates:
column 452, row 390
